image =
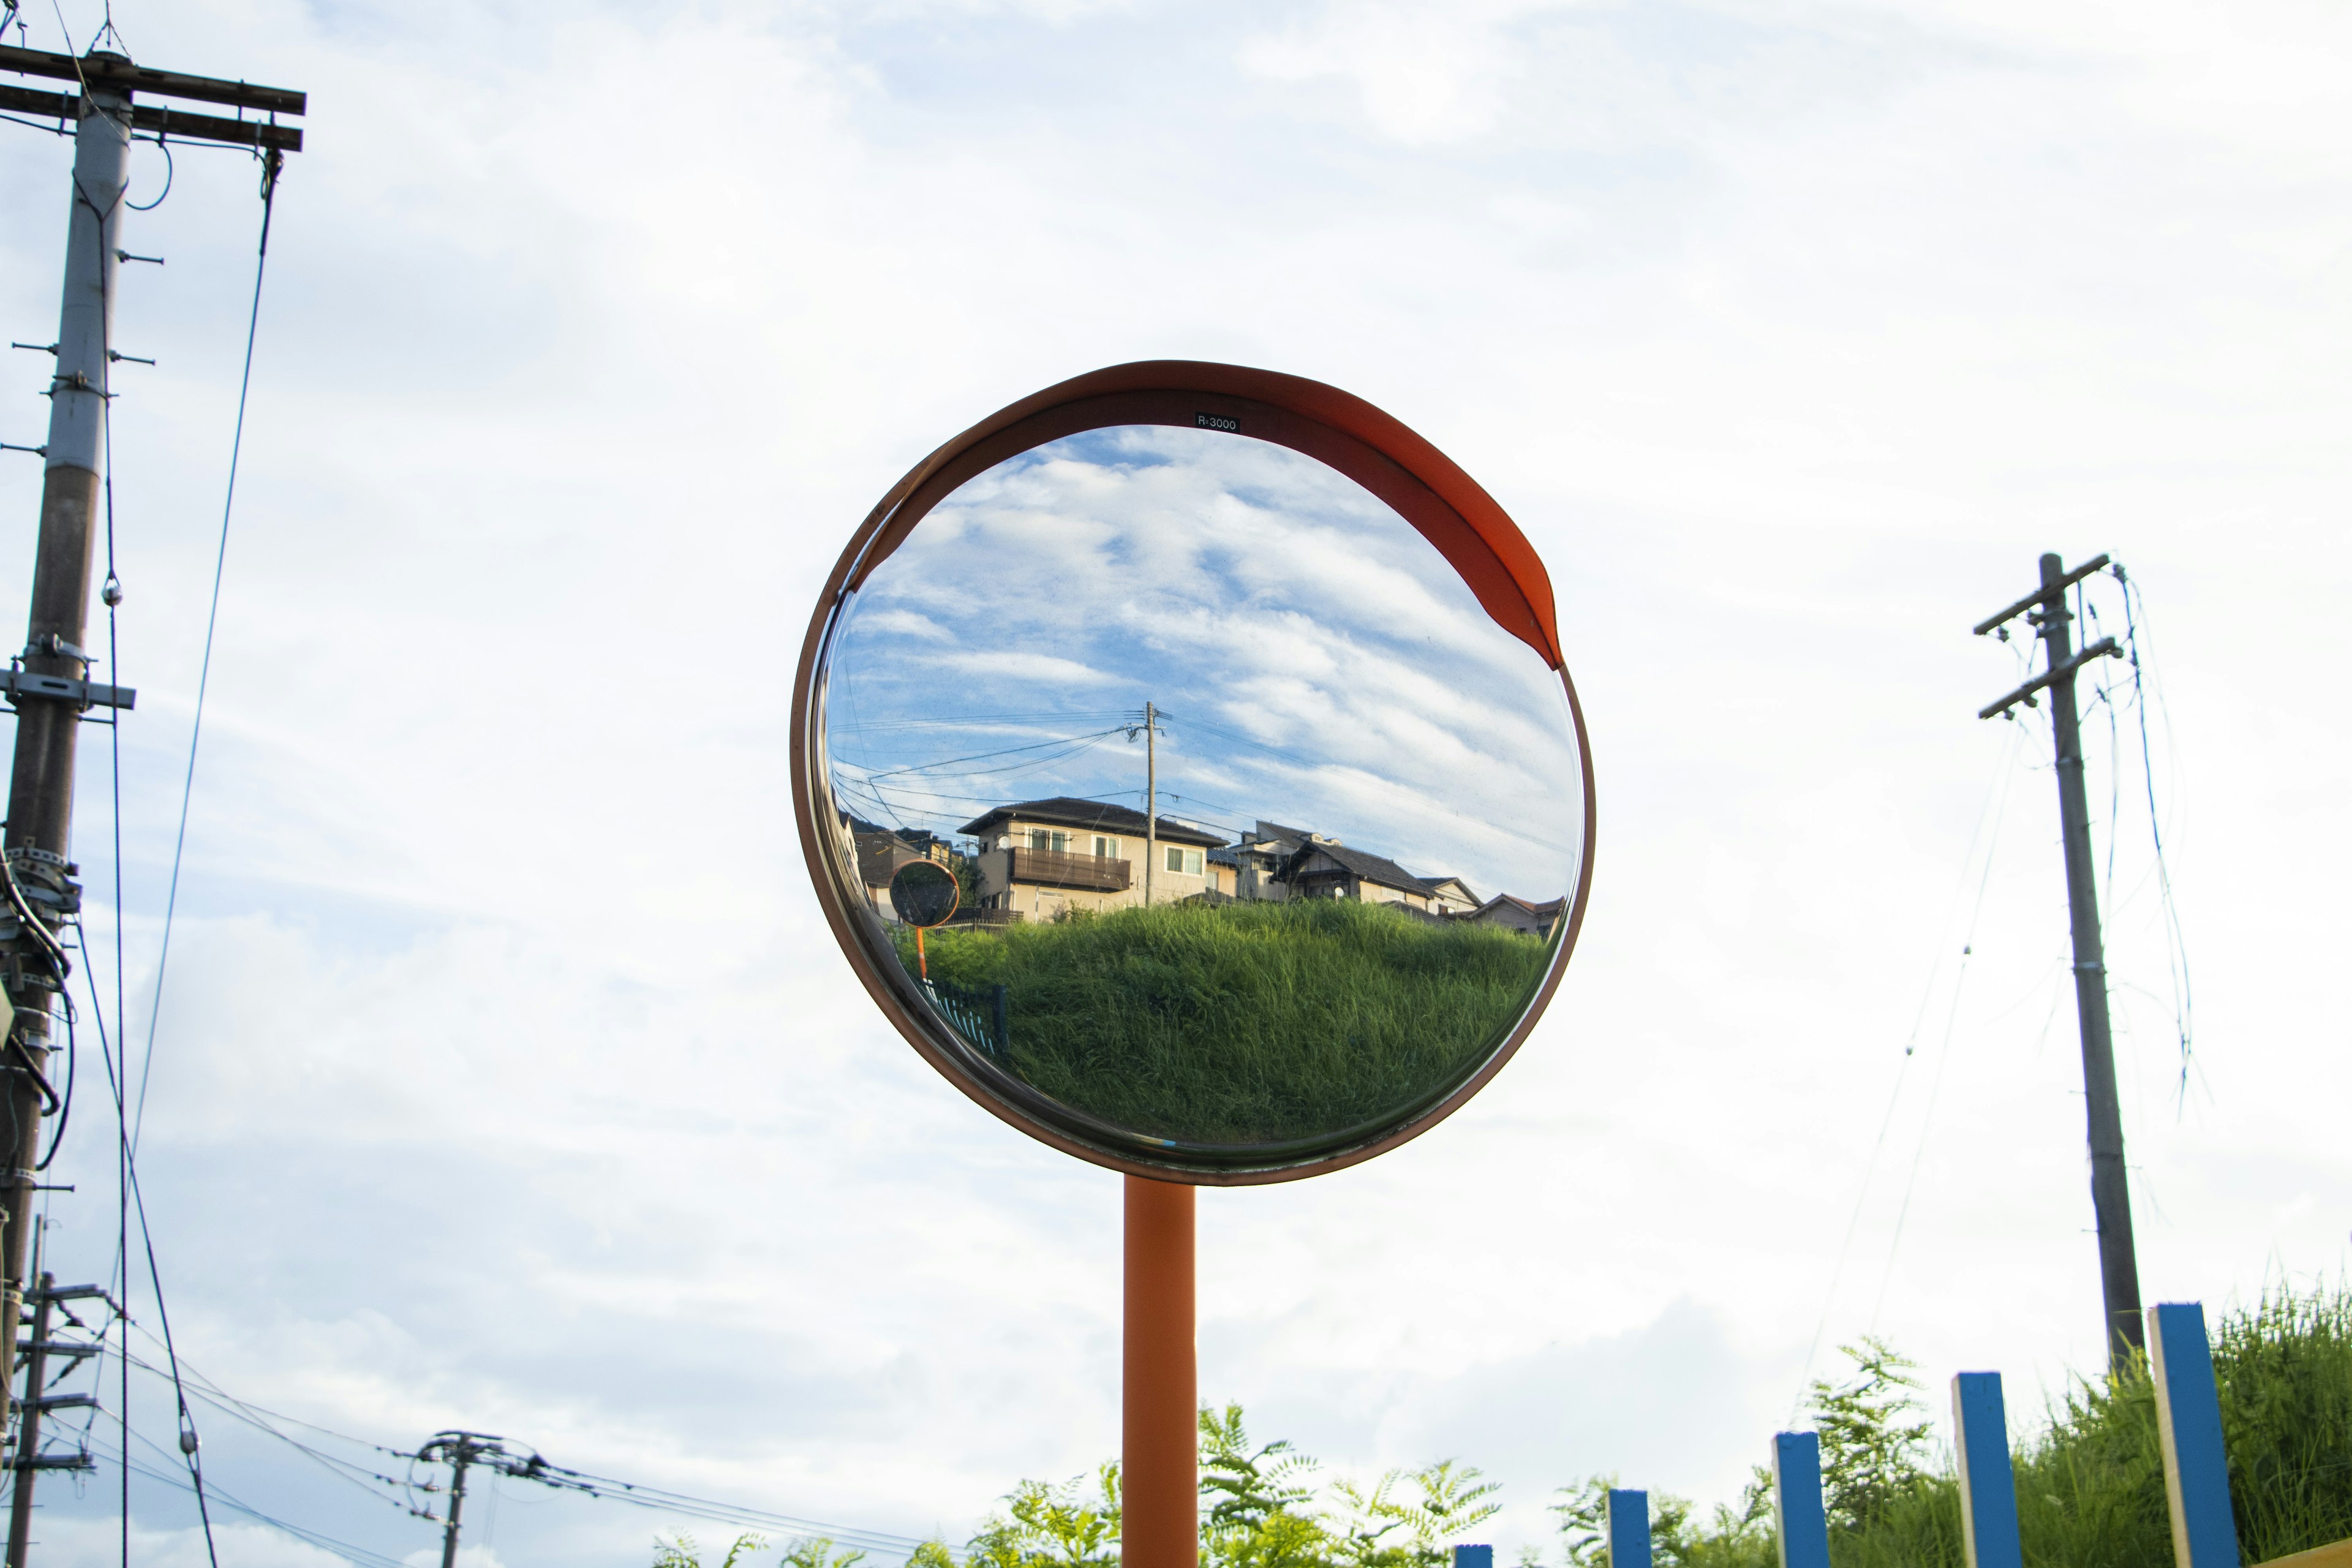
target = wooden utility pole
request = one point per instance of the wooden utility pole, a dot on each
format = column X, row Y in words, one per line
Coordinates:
column 50, row 683
column 2110, row 1184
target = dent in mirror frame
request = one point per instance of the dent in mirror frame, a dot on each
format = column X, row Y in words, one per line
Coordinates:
column 1263, row 831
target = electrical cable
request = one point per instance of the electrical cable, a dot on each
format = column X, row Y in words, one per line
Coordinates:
column 1943, row 1051
column 170, row 169
column 355, row 1554
column 1996, row 796
column 271, row 163
column 2175, row 952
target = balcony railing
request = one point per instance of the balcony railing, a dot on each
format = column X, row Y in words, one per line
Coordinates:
column 1057, row 869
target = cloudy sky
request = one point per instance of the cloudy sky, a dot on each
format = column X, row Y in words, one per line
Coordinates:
column 1320, row 664
column 505, row 1075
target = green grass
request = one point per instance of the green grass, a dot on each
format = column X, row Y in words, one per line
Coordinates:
column 2090, row 1490
column 1247, row 1023
column 2090, row 1485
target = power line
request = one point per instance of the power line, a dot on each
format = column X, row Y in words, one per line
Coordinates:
column 271, row 162
column 1995, row 803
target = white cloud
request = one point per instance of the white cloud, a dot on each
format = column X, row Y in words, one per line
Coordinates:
column 508, row 1077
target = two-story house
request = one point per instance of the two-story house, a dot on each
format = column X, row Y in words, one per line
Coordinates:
column 1041, row 857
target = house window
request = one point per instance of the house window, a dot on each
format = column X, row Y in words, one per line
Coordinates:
column 1039, row 838
column 1186, row 862
column 1107, row 846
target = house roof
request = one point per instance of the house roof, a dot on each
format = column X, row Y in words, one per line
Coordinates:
column 1542, row 911
column 1095, row 815
column 1359, row 863
column 1437, row 883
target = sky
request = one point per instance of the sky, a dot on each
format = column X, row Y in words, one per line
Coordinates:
column 504, row 1074
column 1319, row 663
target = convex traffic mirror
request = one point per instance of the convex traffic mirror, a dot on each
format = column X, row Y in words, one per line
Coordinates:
column 1185, row 762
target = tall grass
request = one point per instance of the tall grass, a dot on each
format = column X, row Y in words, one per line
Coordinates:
column 1245, row 1023
column 2090, row 1484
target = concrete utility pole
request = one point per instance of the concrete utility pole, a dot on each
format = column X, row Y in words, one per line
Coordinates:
column 2110, row 1186
column 50, row 683
column 461, row 1449
column 29, row 1429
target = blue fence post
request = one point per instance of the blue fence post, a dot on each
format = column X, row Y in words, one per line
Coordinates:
column 1797, row 1514
column 1988, row 1485
column 1629, row 1529
column 1474, row 1557
column 2189, row 1424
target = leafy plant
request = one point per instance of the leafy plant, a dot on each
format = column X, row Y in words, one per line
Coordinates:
column 1046, row 1526
column 1870, row 1446
column 812, row 1552
column 679, row 1551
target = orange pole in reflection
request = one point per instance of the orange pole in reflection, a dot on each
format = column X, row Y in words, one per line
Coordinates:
column 922, row 963
column 1160, row 1444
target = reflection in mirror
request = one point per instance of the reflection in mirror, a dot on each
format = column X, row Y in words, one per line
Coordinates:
column 1260, row 829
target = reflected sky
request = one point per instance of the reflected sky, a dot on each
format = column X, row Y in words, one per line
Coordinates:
column 1317, row 663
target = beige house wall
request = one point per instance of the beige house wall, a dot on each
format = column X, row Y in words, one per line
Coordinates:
column 1033, row 901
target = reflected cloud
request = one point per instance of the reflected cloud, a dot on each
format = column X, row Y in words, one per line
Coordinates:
column 1262, row 829
column 1312, row 659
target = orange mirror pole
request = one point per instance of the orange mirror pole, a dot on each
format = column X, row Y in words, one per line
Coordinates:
column 1159, row 1478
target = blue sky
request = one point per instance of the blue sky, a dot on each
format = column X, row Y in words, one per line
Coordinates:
column 1321, row 665
column 506, row 1076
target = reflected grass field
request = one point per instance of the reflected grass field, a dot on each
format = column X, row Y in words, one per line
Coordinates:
column 1244, row 1022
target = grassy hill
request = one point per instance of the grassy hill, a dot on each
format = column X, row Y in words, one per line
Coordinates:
column 1245, row 1023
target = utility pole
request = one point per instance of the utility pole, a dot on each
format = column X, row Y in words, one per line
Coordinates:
column 1150, row 798
column 463, row 1450
column 2110, row 1187
column 49, row 683
column 29, row 1429
column 26, row 1459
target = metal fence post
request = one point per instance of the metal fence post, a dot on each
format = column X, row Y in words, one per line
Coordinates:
column 1988, row 1485
column 1797, row 1517
column 2189, row 1424
column 1629, row 1529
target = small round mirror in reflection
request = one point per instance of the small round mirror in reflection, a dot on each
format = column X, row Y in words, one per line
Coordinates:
column 1232, row 821
column 923, row 893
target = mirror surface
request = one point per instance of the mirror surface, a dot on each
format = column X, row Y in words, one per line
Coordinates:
column 1265, row 833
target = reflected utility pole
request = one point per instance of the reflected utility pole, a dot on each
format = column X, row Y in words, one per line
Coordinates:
column 2110, row 1187
column 1150, row 728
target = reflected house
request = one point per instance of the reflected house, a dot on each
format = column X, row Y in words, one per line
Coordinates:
column 1323, row 869
column 1042, row 858
column 1256, row 863
column 1451, row 896
column 1519, row 915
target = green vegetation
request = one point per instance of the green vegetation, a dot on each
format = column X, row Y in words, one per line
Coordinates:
column 1242, row 1023
column 2090, row 1486
column 811, row 1552
column 1259, row 1509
